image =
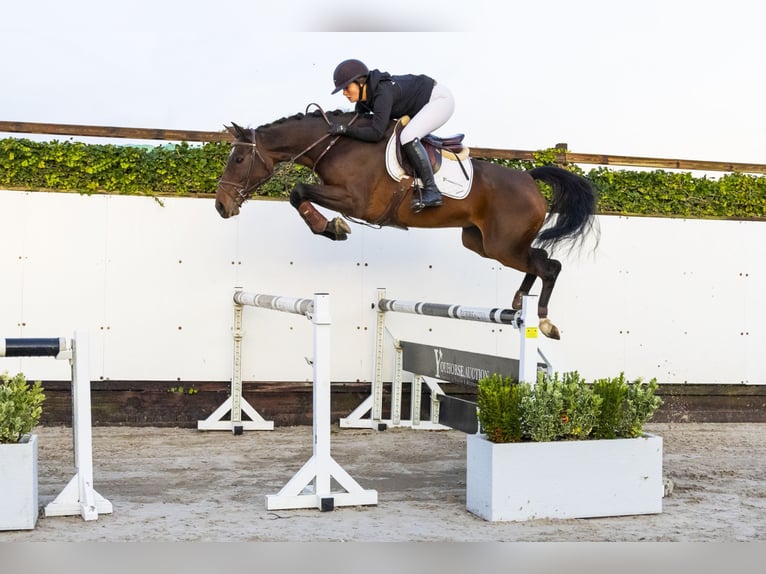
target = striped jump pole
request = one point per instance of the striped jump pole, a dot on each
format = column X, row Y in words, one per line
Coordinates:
column 79, row 496
column 463, row 312
column 525, row 320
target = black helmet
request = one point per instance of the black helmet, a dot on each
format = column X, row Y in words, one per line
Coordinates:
column 346, row 72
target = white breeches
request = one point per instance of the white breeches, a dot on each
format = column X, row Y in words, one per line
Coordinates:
column 432, row 116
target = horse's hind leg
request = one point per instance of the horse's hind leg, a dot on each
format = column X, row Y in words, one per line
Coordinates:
column 547, row 270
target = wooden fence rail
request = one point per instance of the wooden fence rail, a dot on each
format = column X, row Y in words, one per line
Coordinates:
column 564, row 156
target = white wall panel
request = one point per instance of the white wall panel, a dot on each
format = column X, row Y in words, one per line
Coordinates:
column 679, row 300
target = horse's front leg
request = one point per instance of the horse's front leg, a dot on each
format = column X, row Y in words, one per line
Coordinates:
column 337, row 229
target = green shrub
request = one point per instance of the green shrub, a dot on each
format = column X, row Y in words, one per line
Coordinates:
column 20, row 407
column 565, row 408
column 181, row 169
column 610, row 417
column 185, row 169
column 640, row 405
column 499, row 401
column 581, row 406
column 542, row 410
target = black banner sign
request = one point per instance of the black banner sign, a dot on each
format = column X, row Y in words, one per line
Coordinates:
column 455, row 366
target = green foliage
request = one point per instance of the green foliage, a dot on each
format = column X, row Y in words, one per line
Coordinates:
column 20, row 407
column 625, row 406
column 640, row 405
column 87, row 168
column 612, row 392
column 662, row 193
column 181, row 390
column 542, row 410
column 186, row 169
column 181, row 169
column 581, row 406
column 499, row 402
column 566, row 408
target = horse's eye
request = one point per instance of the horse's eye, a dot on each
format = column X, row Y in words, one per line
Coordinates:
column 240, row 159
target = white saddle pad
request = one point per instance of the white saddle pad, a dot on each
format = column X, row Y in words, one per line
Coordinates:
column 450, row 178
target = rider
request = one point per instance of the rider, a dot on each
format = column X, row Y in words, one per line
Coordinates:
column 388, row 97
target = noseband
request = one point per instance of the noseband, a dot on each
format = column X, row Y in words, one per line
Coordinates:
column 243, row 193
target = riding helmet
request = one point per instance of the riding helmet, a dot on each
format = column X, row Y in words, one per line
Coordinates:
column 346, row 72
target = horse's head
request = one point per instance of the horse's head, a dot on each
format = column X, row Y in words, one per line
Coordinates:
column 247, row 168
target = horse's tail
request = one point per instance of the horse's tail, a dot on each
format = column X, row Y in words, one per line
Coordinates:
column 573, row 201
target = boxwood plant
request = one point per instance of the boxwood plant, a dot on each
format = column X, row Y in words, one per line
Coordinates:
column 564, row 408
column 20, row 407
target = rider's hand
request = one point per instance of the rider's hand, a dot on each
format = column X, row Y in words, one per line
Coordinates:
column 337, row 129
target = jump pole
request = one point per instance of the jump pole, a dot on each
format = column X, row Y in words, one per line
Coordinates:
column 78, row 496
column 525, row 320
column 311, row 486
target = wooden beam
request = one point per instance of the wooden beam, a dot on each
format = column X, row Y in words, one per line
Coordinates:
column 563, row 155
column 623, row 160
column 114, row 132
column 493, row 153
column 663, row 163
column 153, row 403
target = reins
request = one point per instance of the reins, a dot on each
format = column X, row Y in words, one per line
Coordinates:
column 324, row 137
column 244, row 193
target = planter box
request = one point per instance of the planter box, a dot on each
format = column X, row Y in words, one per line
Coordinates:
column 18, row 484
column 563, row 479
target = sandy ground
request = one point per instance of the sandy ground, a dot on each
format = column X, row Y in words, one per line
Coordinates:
column 187, row 485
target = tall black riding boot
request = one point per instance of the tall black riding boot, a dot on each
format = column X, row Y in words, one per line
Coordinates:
column 428, row 195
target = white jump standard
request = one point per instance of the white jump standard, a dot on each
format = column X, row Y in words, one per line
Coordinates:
column 311, row 486
column 79, row 496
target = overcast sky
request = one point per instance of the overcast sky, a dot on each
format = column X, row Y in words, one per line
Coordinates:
column 654, row 78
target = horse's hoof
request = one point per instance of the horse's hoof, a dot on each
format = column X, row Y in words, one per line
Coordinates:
column 339, row 229
column 549, row 329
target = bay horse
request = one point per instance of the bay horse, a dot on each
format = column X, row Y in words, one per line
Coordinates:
column 501, row 217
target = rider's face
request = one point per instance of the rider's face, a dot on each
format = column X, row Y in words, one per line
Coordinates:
column 352, row 92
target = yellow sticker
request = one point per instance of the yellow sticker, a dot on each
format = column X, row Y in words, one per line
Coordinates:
column 531, row 332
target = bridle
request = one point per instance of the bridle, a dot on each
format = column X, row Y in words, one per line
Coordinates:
column 243, row 193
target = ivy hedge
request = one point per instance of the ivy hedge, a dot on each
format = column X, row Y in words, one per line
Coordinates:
column 187, row 169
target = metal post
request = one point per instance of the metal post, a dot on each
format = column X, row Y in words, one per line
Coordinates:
column 529, row 330
column 377, row 379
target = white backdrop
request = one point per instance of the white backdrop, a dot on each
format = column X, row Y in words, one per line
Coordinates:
column 152, row 285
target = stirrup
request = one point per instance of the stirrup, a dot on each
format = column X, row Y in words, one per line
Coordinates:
column 418, row 204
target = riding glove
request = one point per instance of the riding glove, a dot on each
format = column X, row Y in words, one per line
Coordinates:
column 337, row 129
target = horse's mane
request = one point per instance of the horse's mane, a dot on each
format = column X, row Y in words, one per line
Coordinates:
column 301, row 116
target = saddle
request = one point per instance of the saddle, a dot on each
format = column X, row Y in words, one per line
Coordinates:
column 434, row 145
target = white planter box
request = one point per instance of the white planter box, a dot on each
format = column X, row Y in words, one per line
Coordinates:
column 18, row 484
column 563, row 479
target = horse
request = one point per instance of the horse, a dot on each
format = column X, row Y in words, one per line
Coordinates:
column 502, row 217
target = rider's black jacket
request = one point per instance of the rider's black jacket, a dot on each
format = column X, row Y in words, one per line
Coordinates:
column 389, row 98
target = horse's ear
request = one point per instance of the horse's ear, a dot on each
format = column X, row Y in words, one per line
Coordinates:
column 236, row 131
